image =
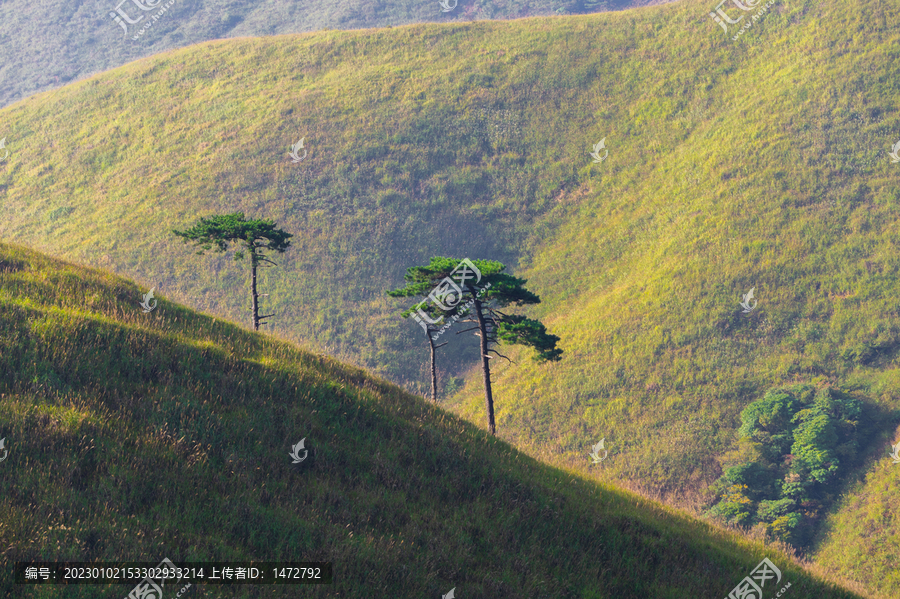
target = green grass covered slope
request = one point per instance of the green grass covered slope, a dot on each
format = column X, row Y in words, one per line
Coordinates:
column 63, row 42
column 139, row 436
column 757, row 163
column 860, row 537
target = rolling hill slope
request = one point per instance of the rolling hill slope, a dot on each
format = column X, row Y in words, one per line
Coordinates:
column 760, row 163
column 139, row 436
column 62, row 42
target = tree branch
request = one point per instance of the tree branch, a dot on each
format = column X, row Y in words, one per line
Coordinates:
column 501, row 355
column 467, row 330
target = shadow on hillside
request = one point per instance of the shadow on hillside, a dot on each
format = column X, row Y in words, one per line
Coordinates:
column 879, row 422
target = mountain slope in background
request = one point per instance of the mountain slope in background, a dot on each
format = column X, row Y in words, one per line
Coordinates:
column 139, row 436
column 763, row 164
column 61, row 42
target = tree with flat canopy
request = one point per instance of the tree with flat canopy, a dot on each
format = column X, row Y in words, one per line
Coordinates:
column 446, row 282
column 256, row 236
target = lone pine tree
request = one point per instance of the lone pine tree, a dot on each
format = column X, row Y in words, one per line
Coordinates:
column 446, row 282
column 255, row 235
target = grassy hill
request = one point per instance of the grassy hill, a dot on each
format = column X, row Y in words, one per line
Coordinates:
column 136, row 436
column 733, row 164
column 61, row 43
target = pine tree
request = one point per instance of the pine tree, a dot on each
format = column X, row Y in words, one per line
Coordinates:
column 256, row 236
column 446, row 282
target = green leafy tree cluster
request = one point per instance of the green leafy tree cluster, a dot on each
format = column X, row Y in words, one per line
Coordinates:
column 803, row 438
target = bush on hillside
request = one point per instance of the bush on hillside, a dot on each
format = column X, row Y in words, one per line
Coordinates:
column 801, row 434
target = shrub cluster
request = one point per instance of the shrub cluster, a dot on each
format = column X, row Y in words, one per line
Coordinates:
column 801, row 440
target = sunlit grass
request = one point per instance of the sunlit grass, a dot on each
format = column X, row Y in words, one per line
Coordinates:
column 139, row 436
column 760, row 163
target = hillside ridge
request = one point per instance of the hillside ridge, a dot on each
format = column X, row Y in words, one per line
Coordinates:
column 397, row 494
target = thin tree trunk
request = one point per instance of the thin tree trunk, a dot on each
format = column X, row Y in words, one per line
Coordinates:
column 253, row 291
column 486, row 368
column 433, row 367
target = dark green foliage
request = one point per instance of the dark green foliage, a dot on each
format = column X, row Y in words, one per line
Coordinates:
column 495, row 290
column 814, row 439
column 421, row 280
column 771, row 510
column 735, row 506
column 790, row 528
column 799, row 432
column 525, row 331
column 218, row 231
column 758, row 478
column 772, row 415
column 768, row 421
